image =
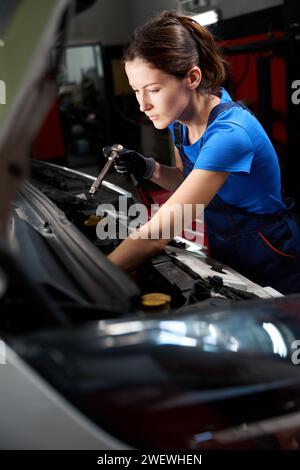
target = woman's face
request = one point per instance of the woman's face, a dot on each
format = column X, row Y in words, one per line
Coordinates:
column 162, row 97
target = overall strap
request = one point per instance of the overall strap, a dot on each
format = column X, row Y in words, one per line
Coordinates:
column 222, row 107
column 178, row 135
column 177, row 127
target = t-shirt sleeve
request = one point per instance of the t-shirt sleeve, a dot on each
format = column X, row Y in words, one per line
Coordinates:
column 227, row 147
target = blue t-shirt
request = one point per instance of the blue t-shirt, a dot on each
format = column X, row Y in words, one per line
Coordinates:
column 237, row 143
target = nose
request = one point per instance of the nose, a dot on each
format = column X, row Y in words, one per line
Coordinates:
column 145, row 105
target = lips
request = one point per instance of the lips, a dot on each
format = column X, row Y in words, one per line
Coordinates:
column 153, row 117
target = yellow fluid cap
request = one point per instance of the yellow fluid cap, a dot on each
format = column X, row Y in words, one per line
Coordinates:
column 156, row 300
column 92, row 220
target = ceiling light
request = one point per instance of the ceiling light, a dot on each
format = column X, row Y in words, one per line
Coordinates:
column 207, row 17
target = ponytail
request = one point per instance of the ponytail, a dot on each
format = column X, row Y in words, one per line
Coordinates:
column 174, row 44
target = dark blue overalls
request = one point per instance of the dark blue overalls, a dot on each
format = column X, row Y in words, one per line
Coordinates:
column 264, row 248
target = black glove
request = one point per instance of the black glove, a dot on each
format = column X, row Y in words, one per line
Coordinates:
column 132, row 162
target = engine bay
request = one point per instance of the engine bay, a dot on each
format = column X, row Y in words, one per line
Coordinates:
column 182, row 271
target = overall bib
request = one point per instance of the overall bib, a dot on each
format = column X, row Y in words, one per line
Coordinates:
column 264, row 248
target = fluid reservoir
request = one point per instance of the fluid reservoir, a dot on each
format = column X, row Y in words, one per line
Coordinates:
column 156, row 301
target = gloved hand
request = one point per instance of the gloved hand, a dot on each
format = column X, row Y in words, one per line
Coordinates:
column 133, row 162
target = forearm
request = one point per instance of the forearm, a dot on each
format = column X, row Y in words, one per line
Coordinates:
column 196, row 192
column 167, row 177
column 133, row 252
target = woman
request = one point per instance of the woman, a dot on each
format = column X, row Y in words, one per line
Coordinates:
column 224, row 159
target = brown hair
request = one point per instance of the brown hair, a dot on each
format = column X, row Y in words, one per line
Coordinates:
column 174, row 44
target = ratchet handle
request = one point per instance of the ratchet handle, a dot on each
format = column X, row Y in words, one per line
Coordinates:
column 115, row 149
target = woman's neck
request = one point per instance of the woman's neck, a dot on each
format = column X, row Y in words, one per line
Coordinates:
column 196, row 115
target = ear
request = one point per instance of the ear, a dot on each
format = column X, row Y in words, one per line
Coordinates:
column 194, row 77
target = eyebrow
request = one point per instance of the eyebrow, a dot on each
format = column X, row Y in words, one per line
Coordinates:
column 149, row 84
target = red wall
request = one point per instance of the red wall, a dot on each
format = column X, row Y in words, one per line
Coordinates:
column 49, row 142
column 244, row 77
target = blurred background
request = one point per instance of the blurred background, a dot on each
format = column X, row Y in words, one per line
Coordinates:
column 96, row 107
